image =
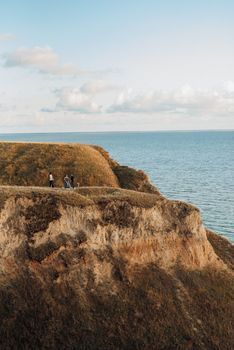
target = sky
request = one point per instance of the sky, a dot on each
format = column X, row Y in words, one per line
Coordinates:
column 126, row 65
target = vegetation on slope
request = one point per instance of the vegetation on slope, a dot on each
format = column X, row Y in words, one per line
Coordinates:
column 133, row 179
column 60, row 289
column 56, row 304
column 222, row 247
column 29, row 164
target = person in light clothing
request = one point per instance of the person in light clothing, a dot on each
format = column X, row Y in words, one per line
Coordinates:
column 51, row 180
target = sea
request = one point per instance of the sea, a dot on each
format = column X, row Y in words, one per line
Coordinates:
column 193, row 166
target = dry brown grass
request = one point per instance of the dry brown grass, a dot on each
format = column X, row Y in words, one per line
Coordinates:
column 106, row 195
column 29, row 164
column 222, row 247
column 211, row 303
column 63, row 196
column 82, row 196
column 106, row 155
column 133, row 179
column 142, row 310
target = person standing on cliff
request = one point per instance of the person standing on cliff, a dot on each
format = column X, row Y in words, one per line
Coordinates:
column 72, row 181
column 67, row 183
column 51, row 180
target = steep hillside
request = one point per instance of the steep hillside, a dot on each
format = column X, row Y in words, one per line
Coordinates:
column 107, row 268
column 29, row 164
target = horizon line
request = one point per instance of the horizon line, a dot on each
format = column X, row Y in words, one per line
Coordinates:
column 116, row 131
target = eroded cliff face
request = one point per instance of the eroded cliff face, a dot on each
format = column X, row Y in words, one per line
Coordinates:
column 139, row 228
column 105, row 268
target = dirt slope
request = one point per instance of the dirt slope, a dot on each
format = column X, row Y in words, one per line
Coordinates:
column 105, row 268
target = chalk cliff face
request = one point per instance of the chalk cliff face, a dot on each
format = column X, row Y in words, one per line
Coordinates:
column 107, row 268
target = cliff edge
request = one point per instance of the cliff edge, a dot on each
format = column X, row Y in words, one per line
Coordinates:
column 107, row 268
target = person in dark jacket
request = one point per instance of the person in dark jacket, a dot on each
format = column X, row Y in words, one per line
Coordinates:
column 72, row 181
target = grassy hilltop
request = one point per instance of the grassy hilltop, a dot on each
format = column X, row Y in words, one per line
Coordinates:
column 29, row 164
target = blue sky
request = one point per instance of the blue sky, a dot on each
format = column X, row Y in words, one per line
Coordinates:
column 116, row 65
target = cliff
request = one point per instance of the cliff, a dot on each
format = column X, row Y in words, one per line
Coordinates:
column 110, row 268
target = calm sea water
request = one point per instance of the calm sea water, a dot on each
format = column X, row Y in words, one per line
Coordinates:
column 197, row 167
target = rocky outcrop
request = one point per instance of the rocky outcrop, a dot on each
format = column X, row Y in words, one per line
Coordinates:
column 140, row 228
column 107, row 268
column 133, row 179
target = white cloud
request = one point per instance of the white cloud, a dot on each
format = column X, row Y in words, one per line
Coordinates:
column 80, row 99
column 46, row 60
column 185, row 100
column 97, row 86
column 37, row 56
column 43, row 59
column 7, row 37
column 72, row 99
column 229, row 86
